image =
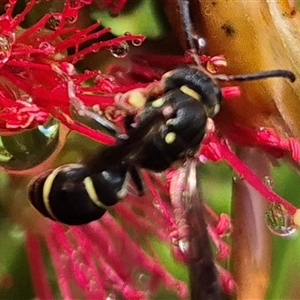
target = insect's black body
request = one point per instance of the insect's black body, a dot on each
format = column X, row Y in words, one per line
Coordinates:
column 72, row 194
column 176, row 121
column 169, row 128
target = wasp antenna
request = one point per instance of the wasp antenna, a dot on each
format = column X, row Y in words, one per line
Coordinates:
column 187, row 23
column 257, row 76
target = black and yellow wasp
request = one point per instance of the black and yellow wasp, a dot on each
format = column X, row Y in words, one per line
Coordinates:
column 169, row 129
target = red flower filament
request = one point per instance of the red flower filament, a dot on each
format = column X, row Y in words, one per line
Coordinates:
column 39, row 81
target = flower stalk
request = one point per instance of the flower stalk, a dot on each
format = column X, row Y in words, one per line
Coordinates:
column 251, row 239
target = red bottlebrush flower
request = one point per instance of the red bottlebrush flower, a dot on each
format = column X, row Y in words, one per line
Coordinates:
column 32, row 91
column 28, row 57
column 20, row 114
column 101, row 260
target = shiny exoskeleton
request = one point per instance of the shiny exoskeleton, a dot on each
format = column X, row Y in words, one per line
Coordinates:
column 190, row 97
column 169, row 128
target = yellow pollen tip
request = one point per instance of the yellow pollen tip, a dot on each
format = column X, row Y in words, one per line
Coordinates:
column 137, row 99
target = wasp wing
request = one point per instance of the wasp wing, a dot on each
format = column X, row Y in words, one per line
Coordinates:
column 204, row 280
column 129, row 149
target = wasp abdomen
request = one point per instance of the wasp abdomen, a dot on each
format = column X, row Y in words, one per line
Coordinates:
column 71, row 194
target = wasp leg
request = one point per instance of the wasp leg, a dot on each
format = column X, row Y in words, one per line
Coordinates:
column 137, row 180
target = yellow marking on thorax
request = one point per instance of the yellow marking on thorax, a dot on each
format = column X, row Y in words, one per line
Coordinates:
column 170, row 137
column 190, row 92
column 158, row 102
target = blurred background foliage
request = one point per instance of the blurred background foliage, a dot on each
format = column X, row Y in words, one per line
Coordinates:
column 15, row 278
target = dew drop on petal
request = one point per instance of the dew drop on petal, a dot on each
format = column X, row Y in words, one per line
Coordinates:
column 30, row 148
column 119, row 50
column 136, row 43
column 6, row 6
column 268, row 180
column 72, row 20
column 279, row 221
column 201, row 42
column 45, row 46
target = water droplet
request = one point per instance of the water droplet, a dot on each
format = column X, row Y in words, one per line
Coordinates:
column 201, row 42
column 279, row 221
column 7, row 6
column 268, row 180
column 207, row 10
column 72, row 20
column 184, row 246
column 30, row 148
column 136, row 43
column 5, row 48
column 45, row 46
column 119, row 50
